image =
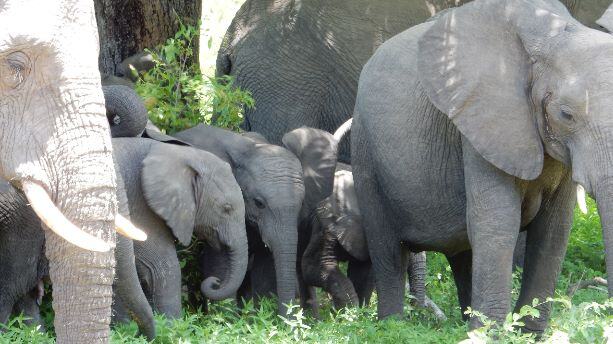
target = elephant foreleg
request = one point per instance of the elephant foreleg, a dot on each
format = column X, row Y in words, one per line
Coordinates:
column 493, row 213
column 547, row 238
column 363, row 280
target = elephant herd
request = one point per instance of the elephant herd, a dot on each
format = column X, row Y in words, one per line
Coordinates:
column 470, row 126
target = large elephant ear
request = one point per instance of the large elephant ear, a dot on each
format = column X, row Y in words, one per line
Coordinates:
column 317, row 151
column 606, row 20
column 475, row 63
column 167, row 182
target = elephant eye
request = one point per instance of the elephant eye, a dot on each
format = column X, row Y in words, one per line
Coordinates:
column 14, row 70
column 566, row 115
column 259, row 203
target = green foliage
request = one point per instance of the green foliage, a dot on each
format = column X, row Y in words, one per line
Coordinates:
column 586, row 318
column 178, row 96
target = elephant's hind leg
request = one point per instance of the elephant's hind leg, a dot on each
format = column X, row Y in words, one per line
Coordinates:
column 461, row 267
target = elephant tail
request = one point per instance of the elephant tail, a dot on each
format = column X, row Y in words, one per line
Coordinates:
column 343, row 130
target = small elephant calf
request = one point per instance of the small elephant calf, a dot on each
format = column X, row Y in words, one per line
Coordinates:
column 337, row 235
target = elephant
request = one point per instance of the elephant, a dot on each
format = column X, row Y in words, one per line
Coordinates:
column 24, row 264
column 471, row 127
column 317, row 50
column 173, row 192
column 56, row 148
column 271, row 180
column 337, row 235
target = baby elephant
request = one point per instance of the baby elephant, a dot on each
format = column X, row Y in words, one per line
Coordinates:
column 173, row 192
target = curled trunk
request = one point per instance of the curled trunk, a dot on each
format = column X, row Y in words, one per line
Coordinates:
column 223, row 287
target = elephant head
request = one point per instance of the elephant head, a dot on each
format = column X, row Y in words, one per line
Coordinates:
column 196, row 193
column 56, row 147
column 271, row 180
column 125, row 111
column 543, row 85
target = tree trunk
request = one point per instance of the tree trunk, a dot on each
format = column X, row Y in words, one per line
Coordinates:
column 126, row 27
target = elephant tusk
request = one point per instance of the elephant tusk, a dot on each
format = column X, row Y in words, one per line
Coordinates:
column 581, row 198
column 342, row 130
column 127, row 229
column 51, row 216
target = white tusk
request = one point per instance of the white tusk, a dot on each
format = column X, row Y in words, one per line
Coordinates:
column 127, row 229
column 56, row 221
column 581, row 198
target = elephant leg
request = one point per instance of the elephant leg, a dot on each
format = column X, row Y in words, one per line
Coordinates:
column 129, row 291
column 389, row 258
column 461, row 267
column 29, row 306
column 547, row 238
column 417, row 277
column 263, row 275
column 361, row 276
column 308, row 296
column 493, row 214
column 244, row 293
column 520, row 251
column 160, row 277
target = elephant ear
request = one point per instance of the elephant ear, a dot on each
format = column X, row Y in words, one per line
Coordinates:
column 606, row 21
column 168, row 177
column 475, row 66
column 350, row 235
column 317, row 151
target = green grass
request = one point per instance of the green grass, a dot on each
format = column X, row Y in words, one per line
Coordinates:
column 584, row 319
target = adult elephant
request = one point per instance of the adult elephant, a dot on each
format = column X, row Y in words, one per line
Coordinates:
column 22, row 241
column 500, row 108
column 175, row 192
column 317, row 49
column 56, row 148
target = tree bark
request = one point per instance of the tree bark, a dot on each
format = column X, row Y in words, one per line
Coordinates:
column 126, row 27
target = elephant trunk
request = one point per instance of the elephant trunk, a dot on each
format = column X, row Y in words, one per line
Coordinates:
column 417, row 277
column 285, row 269
column 604, row 198
column 82, row 184
column 237, row 253
column 284, row 247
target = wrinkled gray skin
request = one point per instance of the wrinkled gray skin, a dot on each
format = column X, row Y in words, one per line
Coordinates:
column 54, row 134
column 509, row 95
column 271, row 180
column 173, row 192
column 337, row 235
column 316, row 49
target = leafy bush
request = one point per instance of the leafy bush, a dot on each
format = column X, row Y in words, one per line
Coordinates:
column 178, row 96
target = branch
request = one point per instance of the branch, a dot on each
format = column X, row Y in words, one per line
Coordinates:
column 573, row 288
